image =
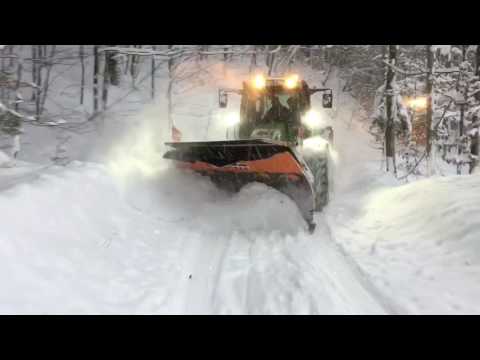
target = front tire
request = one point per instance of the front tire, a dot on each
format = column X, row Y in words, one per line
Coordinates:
column 320, row 170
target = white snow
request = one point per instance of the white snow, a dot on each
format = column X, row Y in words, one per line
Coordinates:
column 125, row 233
column 419, row 243
column 3, row 158
column 444, row 49
column 94, row 246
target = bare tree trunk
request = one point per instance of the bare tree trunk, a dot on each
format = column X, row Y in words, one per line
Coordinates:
column 170, row 103
column 326, row 62
column 476, row 138
column 202, row 49
column 19, row 80
column 271, row 61
column 40, row 51
column 320, row 58
column 38, row 81
column 169, row 90
column 153, row 74
column 225, row 55
column 462, row 113
column 34, row 70
column 268, row 56
column 253, row 62
column 389, row 128
column 41, row 59
column 225, row 59
column 10, row 52
column 464, row 52
column 106, row 79
column 170, row 60
column 310, row 56
column 134, row 66
column 428, row 91
column 461, row 131
column 477, row 61
column 133, row 59
column 81, row 53
column 292, row 58
column 328, row 50
column 49, row 65
column 96, row 69
column 128, row 62
column 2, row 69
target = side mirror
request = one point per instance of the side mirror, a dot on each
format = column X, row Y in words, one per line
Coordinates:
column 222, row 99
column 327, row 100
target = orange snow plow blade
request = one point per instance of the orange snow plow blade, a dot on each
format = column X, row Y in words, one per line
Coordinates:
column 232, row 164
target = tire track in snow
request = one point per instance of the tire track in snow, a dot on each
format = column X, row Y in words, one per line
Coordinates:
column 29, row 175
column 388, row 304
column 202, row 289
column 278, row 276
column 218, row 273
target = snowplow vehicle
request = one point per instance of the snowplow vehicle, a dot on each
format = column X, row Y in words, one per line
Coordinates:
column 277, row 139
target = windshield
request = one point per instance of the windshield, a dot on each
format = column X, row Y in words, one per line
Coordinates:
column 289, row 101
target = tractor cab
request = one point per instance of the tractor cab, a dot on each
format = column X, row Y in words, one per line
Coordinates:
column 275, row 116
column 275, row 108
column 276, row 105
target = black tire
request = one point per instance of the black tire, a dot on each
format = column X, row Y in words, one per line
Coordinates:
column 330, row 136
column 320, row 169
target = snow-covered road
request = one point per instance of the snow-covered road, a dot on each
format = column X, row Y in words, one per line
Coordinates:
column 124, row 234
column 275, row 274
column 80, row 239
column 76, row 243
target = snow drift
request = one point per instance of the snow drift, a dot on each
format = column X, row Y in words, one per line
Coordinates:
column 419, row 243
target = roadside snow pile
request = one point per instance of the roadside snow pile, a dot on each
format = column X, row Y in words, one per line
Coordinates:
column 193, row 200
column 4, row 159
column 151, row 182
column 74, row 240
column 70, row 245
column 420, row 244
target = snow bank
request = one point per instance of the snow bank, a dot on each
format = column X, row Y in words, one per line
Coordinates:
column 4, row 158
column 419, row 243
column 67, row 244
column 77, row 240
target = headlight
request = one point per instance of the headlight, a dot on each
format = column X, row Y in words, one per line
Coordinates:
column 316, row 143
column 259, row 81
column 232, row 119
column 418, row 103
column 291, row 82
column 312, row 119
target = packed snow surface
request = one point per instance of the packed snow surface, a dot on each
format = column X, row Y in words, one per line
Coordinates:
column 127, row 234
column 74, row 241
